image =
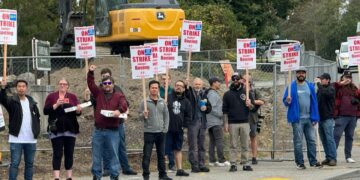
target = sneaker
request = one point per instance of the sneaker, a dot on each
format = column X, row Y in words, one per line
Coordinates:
column 350, row 160
column 172, row 169
column 317, row 165
column 325, row 162
column 254, row 161
column 114, row 178
column 247, row 168
column 212, row 164
column 204, row 169
column 181, row 172
column 195, row 170
column 130, row 172
column 227, row 163
column 219, row 164
column 165, row 177
column 96, row 178
column 233, row 168
column 332, row 162
column 300, row 166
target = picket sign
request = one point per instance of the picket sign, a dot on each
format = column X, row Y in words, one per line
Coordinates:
column 354, row 51
column 290, row 60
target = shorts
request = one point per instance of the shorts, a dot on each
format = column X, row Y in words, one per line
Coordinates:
column 253, row 128
column 174, row 141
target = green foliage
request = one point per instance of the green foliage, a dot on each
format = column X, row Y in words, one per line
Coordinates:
column 36, row 18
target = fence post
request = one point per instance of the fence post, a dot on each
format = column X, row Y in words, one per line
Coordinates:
column 209, row 59
column 274, row 113
column 201, row 69
column 81, row 63
column 28, row 65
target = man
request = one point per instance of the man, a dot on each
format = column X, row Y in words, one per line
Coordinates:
column 346, row 112
column 24, row 127
column 253, row 117
column 109, row 105
column 303, row 115
column 180, row 115
column 197, row 125
column 123, row 159
column 236, row 109
column 215, row 124
column 168, row 151
column 326, row 102
column 156, row 123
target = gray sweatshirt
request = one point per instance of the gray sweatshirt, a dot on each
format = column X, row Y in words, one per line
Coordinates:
column 214, row 118
column 158, row 120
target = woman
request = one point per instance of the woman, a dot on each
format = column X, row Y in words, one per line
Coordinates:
column 63, row 127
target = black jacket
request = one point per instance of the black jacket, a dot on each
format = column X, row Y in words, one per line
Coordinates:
column 13, row 107
column 326, row 101
column 179, row 112
column 190, row 94
column 234, row 105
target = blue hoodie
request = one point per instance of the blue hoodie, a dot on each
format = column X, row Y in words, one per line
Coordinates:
column 293, row 113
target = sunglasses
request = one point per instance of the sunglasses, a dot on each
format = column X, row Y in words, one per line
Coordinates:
column 107, row 83
column 235, row 78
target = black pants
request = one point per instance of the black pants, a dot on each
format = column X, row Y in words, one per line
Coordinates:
column 60, row 145
column 149, row 140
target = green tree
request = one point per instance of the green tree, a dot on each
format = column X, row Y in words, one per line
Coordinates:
column 36, row 18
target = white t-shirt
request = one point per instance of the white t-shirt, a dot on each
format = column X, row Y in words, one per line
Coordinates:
column 25, row 135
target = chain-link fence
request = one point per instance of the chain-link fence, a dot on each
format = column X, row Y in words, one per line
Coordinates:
column 275, row 137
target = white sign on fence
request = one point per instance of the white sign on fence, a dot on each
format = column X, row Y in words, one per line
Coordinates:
column 141, row 64
column 290, row 57
column 155, row 58
column 354, row 50
column 191, row 36
column 8, row 26
column 168, row 51
column 246, row 53
column 85, row 42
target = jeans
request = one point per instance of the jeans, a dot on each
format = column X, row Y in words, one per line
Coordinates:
column 304, row 127
column 347, row 124
column 105, row 140
column 239, row 130
column 196, row 140
column 326, row 132
column 123, row 158
column 16, row 150
column 149, row 140
column 216, row 140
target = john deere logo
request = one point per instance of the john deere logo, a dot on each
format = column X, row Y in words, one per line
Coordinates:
column 160, row 15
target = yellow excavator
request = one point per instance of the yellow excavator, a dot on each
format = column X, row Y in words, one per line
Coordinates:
column 121, row 24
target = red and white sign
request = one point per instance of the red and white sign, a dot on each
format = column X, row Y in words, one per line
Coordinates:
column 191, row 36
column 168, row 51
column 290, row 57
column 141, row 65
column 354, row 50
column 8, row 26
column 154, row 59
column 85, row 42
column 246, row 54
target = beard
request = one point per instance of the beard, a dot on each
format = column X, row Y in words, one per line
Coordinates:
column 178, row 93
column 301, row 78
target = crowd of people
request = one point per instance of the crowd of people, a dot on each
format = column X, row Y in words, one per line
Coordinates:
column 188, row 109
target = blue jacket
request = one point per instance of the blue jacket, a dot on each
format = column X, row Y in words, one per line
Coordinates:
column 293, row 113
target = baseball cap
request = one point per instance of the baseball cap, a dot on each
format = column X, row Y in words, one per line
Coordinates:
column 214, row 79
column 325, row 76
column 235, row 76
column 347, row 73
column 301, row 68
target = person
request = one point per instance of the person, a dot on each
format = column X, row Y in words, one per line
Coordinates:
column 303, row 115
column 105, row 137
column 156, row 124
column 346, row 112
column 326, row 103
column 24, row 127
column 236, row 109
column 180, row 114
column 63, row 126
column 123, row 158
column 253, row 116
column 168, row 151
column 197, row 126
column 215, row 124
